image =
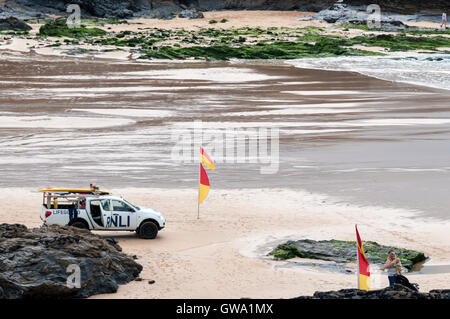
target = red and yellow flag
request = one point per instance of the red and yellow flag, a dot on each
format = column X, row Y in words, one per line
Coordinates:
column 204, row 185
column 205, row 159
column 363, row 265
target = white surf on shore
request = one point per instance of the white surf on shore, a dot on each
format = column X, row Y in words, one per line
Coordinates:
column 432, row 70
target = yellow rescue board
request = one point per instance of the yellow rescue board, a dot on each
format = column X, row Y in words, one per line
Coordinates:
column 73, row 190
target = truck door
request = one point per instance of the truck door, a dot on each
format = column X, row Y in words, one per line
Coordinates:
column 123, row 216
column 99, row 212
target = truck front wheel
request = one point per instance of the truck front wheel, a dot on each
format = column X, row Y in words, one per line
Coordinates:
column 148, row 230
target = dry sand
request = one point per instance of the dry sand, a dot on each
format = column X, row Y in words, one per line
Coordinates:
column 236, row 19
column 221, row 255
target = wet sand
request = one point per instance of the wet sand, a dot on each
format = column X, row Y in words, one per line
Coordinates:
column 341, row 133
column 375, row 149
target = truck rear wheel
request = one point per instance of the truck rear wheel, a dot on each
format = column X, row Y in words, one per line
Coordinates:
column 148, row 230
column 79, row 224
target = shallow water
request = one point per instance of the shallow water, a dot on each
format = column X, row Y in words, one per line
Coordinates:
column 428, row 69
column 73, row 121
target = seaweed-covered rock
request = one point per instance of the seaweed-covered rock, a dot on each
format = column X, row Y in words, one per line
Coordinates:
column 395, row 292
column 39, row 263
column 191, row 14
column 344, row 251
column 59, row 28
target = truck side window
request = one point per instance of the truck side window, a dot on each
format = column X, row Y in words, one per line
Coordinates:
column 105, row 205
column 120, row 206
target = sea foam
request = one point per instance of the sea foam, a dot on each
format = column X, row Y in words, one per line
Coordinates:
column 432, row 70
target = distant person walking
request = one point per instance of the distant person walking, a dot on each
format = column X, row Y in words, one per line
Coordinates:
column 444, row 20
column 394, row 267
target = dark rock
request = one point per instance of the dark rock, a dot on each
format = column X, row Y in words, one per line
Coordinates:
column 151, row 282
column 13, row 9
column 191, row 14
column 397, row 6
column 28, row 9
column 98, row 8
column 14, row 24
column 344, row 13
column 111, row 240
column 440, row 294
column 395, row 292
column 441, row 291
column 164, row 9
column 405, row 6
column 262, row 4
column 123, row 13
column 34, row 262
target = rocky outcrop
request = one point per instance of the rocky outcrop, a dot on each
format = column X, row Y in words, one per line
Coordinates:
column 12, row 9
column 396, row 292
column 384, row 17
column 30, row 9
column 405, row 6
column 42, row 263
column 191, row 13
column 344, row 13
column 344, row 252
column 262, row 4
column 400, row 6
column 170, row 8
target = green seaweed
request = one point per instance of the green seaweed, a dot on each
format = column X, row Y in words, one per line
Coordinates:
column 363, row 27
column 284, row 252
column 128, row 42
column 103, row 22
column 14, row 33
column 244, row 43
column 425, row 31
column 262, row 50
column 402, row 42
column 59, row 28
column 338, row 250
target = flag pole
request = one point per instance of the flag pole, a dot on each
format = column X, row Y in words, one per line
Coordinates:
column 357, row 259
column 198, row 197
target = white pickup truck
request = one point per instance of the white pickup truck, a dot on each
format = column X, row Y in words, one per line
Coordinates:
column 98, row 210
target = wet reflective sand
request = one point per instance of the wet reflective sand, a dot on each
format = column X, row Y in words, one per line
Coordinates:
column 71, row 121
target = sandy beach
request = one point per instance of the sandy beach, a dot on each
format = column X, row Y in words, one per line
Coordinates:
column 222, row 255
column 356, row 147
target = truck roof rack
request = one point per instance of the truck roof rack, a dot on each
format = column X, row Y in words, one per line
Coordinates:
column 75, row 191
